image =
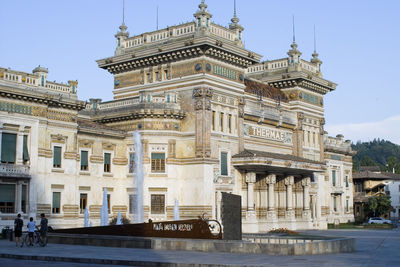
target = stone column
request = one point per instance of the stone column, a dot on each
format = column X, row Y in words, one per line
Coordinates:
column 271, row 213
column 18, row 151
column 250, row 180
column 289, row 197
column 306, row 196
column 202, row 104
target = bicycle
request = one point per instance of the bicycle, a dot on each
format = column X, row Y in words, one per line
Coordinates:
column 37, row 240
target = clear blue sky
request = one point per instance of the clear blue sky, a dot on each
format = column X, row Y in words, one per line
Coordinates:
column 357, row 41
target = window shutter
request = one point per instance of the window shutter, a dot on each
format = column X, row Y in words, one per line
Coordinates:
column 224, row 163
column 56, row 199
column 334, row 178
column 23, row 195
column 7, row 193
column 8, row 147
column 84, row 158
column 107, row 158
column 57, row 156
column 25, row 154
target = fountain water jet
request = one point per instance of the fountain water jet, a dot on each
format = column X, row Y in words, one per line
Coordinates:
column 139, row 177
column 119, row 219
column 176, row 210
column 86, row 218
column 104, row 210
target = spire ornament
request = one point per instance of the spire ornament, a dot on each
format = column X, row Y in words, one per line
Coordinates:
column 122, row 34
column 294, row 54
column 315, row 55
column 235, row 26
column 202, row 16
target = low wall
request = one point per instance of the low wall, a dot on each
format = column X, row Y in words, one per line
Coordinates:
column 253, row 245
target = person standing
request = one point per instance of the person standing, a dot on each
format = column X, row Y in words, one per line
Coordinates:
column 31, row 230
column 43, row 228
column 18, row 223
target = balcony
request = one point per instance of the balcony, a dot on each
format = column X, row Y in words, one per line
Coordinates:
column 15, row 171
column 336, row 189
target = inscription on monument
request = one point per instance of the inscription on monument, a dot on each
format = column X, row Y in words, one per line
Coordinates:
column 268, row 133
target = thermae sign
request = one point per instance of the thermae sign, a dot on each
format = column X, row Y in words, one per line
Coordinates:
column 184, row 227
column 268, row 133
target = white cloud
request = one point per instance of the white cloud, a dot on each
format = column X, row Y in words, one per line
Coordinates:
column 388, row 129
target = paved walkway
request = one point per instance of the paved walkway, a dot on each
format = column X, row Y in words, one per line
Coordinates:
column 374, row 248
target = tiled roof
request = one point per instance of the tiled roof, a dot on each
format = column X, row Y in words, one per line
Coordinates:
column 82, row 123
column 370, row 168
column 376, row 175
column 253, row 153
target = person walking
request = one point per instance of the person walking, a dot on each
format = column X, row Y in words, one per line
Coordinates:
column 43, row 228
column 18, row 223
column 31, row 230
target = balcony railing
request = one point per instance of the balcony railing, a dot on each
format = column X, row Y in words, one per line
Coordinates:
column 13, row 170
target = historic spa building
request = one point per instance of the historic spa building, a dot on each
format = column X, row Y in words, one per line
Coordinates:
column 213, row 119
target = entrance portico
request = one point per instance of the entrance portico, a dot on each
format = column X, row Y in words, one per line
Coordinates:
column 276, row 190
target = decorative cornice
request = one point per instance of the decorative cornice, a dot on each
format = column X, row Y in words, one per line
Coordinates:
column 214, row 51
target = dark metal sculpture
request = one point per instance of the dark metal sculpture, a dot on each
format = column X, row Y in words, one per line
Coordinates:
column 193, row 229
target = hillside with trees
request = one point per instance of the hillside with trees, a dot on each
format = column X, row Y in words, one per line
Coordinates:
column 379, row 152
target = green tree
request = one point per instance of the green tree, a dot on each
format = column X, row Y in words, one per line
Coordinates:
column 378, row 206
column 393, row 163
column 367, row 161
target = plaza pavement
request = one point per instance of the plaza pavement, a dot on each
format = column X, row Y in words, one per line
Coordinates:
column 373, row 248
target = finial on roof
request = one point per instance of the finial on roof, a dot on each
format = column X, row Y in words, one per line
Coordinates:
column 315, row 55
column 235, row 23
column 294, row 54
column 294, row 32
column 123, row 12
column 123, row 27
column 202, row 13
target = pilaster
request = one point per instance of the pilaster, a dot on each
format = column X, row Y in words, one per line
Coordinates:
column 202, row 104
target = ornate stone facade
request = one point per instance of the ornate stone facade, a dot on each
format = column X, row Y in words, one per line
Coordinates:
column 213, row 119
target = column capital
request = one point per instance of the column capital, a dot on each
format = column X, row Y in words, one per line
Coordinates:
column 250, row 177
column 289, row 180
column 306, row 181
column 271, row 179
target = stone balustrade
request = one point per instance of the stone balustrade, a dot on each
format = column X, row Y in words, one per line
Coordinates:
column 13, row 170
column 34, row 80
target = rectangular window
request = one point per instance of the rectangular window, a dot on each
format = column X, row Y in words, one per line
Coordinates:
column 158, row 77
column 82, row 202
column 109, row 203
column 221, row 122
column 131, row 162
column 334, row 178
column 347, row 205
column 84, row 161
column 56, row 202
column 166, row 74
column 148, row 77
column 25, row 154
column 347, row 181
column 230, row 123
column 57, row 157
column 158, row 162
column 224, row 163
column 157, row 204
column 132, row 203
column 107, row 162
column 8, row 148
column 7, row 198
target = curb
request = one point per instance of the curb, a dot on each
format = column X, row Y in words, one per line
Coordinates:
column 109, row 261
